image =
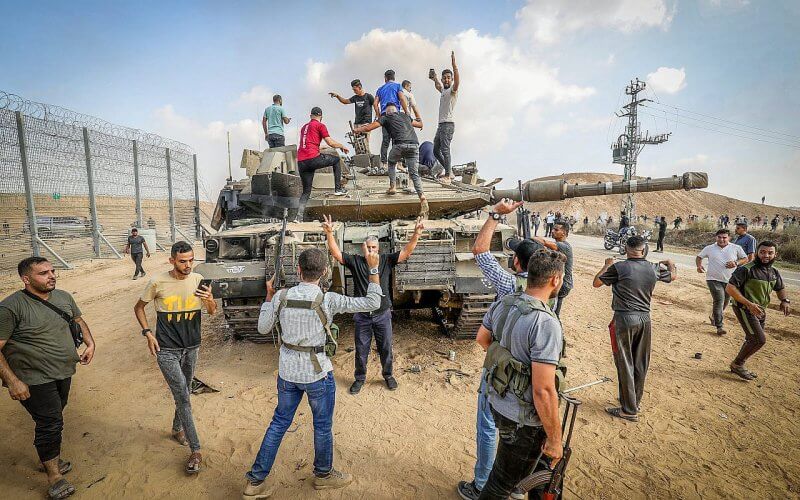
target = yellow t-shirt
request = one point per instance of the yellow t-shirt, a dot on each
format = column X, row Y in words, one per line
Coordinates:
column 177, row 309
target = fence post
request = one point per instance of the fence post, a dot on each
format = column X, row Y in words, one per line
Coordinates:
column 171, row 199
column 198, row 231
column 26, row 177
column 136, row 184
column 90, row 182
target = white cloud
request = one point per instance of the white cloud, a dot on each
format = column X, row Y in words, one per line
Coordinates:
column 576, row 124
column 611, row 59
column 259, row 95
column 667, row 80
column 500, row 84
column 547, row 21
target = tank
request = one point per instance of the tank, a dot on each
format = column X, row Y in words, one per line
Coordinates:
column 440, row 275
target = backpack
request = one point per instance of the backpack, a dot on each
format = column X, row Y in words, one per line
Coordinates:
column 331, row 329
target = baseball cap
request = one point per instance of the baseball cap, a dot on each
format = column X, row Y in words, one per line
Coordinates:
column 316, row 111
column 523, row 249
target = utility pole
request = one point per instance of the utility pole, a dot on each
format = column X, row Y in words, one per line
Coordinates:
column 628, row 146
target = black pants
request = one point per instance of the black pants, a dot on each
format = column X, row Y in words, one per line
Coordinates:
column 548, row 229
column 380, row 327
column 45, row 406
column 561, row 296
column 517, row 451
column 630, row 344
column 307, row 169
column 385, row 140
column 754, row 337
column 276, row 140
column 137, row 259
column 660, row 244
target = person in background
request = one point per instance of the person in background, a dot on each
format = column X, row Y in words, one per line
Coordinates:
column 412, row 103
column 723, row 258
column 134, row 246
column 273, row 121
column 745, row 240
column 662, row 232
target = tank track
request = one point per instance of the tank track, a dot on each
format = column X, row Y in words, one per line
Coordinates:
column 463, row 323
column 241, row 315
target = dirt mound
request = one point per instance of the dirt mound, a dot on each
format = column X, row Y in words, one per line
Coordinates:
column 667, row 203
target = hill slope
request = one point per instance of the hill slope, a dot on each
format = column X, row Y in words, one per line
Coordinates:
column 667, row 203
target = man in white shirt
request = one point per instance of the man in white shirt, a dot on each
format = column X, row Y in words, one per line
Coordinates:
column 723, row 258
column 549, row 220
column 448, row 88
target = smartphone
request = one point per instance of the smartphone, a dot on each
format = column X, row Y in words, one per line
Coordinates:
column 204, row 282
column 432, row 74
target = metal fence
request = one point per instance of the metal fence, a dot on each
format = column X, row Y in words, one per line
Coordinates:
column 72, row 186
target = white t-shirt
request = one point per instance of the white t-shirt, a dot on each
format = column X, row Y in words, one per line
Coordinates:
column 447, row 103
column 717, row 257
column 550, row 219
column 411, row 101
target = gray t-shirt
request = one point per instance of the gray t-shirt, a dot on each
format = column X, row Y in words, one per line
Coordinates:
column 447, row 103
column 532, row 338
column 136, row 243
column 632, row 283
column 566, row 249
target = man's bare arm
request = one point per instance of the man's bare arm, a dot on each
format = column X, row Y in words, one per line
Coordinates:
column 416, row 123
column 545, row 399
column 546, row 243
column 437, row 83
column 406, row 252
column 333, row 246
column 367, row 127
column 340, row 98
column 673, row 269
column 17, row 389
column 264, row 125
column 483, row 337
column 456, row 79
column 484, row 239
column 376, row 105
column 597, row 283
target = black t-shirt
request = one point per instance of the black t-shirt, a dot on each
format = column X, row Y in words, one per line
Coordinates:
column 363, row 107
column 357, row 265
column 399, row 127
column 632, row 282
column 662, row 227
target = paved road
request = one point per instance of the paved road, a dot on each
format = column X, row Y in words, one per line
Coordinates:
column 684, row 261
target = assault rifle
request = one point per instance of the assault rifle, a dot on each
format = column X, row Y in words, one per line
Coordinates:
column 523, row 219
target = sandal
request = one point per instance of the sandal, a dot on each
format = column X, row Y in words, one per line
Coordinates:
column 180, row 437
column 193, row 464
column 617, row 412
column 60, row 489
column 63, row 467
column 742, row 372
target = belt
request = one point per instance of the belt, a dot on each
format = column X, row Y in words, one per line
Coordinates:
column 312, row 352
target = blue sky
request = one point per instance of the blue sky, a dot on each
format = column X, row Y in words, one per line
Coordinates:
column 541, row 79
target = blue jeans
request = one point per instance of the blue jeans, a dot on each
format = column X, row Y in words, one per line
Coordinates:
column 321, row 398
column 486, row 436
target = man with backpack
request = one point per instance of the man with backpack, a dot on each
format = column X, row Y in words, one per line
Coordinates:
column 308, row 338
column 523, row 340
column 377, row 323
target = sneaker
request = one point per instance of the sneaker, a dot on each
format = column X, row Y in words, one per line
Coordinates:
column 517, row 494
column 356, row 387
column 468, row 490
column 721, row 331
column 335, row 479
column 258, row 491
column 391, row 384
column 135, row 276
column 340, row 192
column 143, row 273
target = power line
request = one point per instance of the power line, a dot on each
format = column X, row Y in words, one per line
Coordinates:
column 657, row 102
column 731, row 134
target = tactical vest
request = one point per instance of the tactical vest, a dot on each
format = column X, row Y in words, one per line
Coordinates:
column 503, row 371
column 331, row 330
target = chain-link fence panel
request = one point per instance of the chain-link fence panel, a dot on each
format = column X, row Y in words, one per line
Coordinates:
column 76, row 164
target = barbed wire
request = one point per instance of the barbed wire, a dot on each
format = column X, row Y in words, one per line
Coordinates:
column 70, row 118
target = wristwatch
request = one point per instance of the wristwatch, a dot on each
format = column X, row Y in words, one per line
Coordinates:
column 146, row 331
column 373, row 271
column 495, row 216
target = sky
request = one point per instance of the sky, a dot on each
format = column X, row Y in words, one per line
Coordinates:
column 540, row 79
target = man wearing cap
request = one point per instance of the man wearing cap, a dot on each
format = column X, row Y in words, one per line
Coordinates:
column 309, row 158
column 273, row 121
column 405, row 146
column 390, row 92
column 745, row 240
column 362, row 103
column 504, row 283
column 134, row 246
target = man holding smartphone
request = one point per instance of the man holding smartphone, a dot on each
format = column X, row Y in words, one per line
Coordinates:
column 179, row 297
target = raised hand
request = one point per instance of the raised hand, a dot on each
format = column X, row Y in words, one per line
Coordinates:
column 327, row 224
column 506, row 206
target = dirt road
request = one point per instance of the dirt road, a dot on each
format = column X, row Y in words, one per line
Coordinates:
column 703, row 433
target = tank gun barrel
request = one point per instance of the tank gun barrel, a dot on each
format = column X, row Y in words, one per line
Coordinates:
column 559, row 189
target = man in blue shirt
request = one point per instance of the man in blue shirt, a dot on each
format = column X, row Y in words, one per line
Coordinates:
column 273, row 121
column 745, row 240
column 390, row 92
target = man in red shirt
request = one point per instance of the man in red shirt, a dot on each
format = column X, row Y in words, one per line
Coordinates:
column 309, row 159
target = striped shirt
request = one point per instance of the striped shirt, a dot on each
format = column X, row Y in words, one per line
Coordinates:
column 302, row 327
column 503, row 281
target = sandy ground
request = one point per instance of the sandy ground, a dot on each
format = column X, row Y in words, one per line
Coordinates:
column 703, row 433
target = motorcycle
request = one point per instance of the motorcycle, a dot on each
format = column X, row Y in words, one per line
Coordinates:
column 613, row 239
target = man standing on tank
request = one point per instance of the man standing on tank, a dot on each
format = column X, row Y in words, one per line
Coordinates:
column 448, row 88
column 362, row 103
column 377, row 323
column 390, row 92
column 273, row 121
